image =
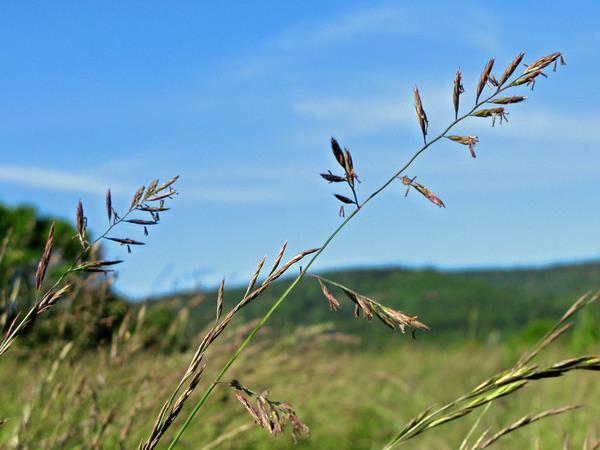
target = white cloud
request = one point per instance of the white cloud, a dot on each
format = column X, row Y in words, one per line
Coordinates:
column 234, row 195
column 66, row 181
column 545, row 126
column 57, row 180
column 353, row 116
column 378, row 20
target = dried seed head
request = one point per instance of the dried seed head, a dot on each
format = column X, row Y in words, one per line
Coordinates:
column 349, row 167
column 51, row 298
column 544, row 62
column 334, row 304
column 396, row 320
column 151, row 189
column 80, row 223
column 528, row 79
column 332, row 178
column 466, row 140
column 511, row 69
column 137, row 196
column 494, row 113
column 141, row 222
column 410, row 182
column 509, row 100
column 458, row 90
column 125, row 241
column 162, row 187
column 337, row 152
column 109, row 208
column 407, row 181
column 278, row 258
column 421, row 116
column 483, row 79
column 492, row 81
column 220, row 298
column 45, row 259
column 344, row 199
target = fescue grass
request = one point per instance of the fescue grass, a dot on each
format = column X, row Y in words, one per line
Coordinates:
column 350, row 396
column 105, row 397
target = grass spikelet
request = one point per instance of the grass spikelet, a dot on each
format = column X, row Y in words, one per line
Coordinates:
column 523, row 421
column 456, row 92
column 483, row 79
column 45, row 259
column 396, row 320
column 421, row 116
column 510, row 69
column 220, row 298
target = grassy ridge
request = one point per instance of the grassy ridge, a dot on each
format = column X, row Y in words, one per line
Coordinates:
column 458, row 305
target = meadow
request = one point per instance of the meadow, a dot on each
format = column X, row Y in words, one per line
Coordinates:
column 349, row 359
column 350, row 396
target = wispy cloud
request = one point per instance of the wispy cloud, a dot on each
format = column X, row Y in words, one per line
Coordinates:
column 72, row 182
column 57, row 180
column 545, row 126
column 358, row 116
column 381, row 19
column 234, row 195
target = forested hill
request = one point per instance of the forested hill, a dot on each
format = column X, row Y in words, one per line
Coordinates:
column 455, row 304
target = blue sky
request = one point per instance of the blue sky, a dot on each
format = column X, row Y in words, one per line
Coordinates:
column 241, row 98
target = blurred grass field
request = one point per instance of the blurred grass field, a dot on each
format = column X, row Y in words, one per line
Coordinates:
column 351, row 395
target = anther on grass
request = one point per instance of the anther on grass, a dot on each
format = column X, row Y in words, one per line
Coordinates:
column 425, row 192
column 466, row 140
column 545, row 61
column 334, row 304
column 494, row 113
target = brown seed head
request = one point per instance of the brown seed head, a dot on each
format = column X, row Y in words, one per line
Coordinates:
column 458, row 90
column 337, row 152
column 332, row 178
column 109, row 208
column 466, row 140
column 43, row 264
column 509, row 100
column 334, row 304
column 421, row 116
column 545, row 62
column 344, row 199
column 511, row 69
column 483, row 79
column 80, row 223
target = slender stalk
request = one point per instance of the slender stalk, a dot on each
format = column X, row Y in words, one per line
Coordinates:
column 300, row 276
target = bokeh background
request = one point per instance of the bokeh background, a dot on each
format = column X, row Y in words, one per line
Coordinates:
column 241, row 98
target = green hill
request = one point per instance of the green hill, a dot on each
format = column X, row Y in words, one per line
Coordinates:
column 455, row 304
